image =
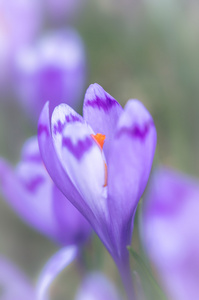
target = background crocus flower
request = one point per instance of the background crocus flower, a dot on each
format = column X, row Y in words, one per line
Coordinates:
column 52, row 70
column 170, row 232
column 103, row 179
column 14, row 284
column 96, row 286
column 29, row 190
column 19, row 23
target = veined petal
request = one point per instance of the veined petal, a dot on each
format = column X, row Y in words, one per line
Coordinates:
column 129, row 164
column 102, row 112
column 76, row 164
column 53, row 267
column 14, row 284
column 30, row 195
column 62, row 116
column 50, row 158
column 84, row 163
column 97, row 287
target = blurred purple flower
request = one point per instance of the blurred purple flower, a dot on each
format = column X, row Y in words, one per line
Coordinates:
column 53, row 70
column 14, row 285
column 63, row 10
column 96, row 286
column 170, row 232
column 29, row 190
column 104, row 184
column 19, row 22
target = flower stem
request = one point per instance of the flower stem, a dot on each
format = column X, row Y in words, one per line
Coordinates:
column 126, row 276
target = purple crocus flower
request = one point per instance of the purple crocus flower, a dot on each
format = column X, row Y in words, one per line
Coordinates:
column 19, row 23
column 54, row 69
column 170, row 232
column 29, row 190
column 104, row 182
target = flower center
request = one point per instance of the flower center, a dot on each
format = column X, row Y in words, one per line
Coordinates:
column 99, row 139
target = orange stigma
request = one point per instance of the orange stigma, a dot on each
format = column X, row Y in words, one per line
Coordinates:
column 99, row 139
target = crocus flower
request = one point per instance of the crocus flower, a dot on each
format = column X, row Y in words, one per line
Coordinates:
column 101, row 162
column 170, row 232
column 95, row 286
column 14, row 284
column 54, row 69
column 29, row 190
column 19, row 23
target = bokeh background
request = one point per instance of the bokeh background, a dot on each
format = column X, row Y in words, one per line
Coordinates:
column 145, row 49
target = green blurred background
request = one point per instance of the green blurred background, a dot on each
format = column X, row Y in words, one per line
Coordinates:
column 136, row 49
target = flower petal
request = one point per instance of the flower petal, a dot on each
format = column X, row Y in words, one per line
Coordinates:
column 52, row 70
column 14, row 284
column 74, row 228
column 50, row 158
column 75, row 162
column 102, row 112
column 170, row 231
column 129, row 164
column 97, row 287
column 84, row 163
column 29, row 185
column 53, row 267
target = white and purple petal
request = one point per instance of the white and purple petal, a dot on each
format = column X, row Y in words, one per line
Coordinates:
column 129, row 165
column 102, row 112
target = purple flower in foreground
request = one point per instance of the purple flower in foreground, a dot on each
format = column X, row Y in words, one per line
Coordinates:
column 14, row 284
column 30, row 191
column 19, row 22
column 170, row 232
column 54, row 69
column 104, row 182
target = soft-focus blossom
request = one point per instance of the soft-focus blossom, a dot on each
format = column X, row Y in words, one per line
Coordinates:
column 52, row 70
column 95, row 286
column 30, row 191
column 19, row 22
column 170, row 232
column 14, row 284
column 63, row 10
column 104, row 182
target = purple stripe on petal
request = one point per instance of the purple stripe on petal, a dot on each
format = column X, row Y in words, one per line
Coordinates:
column 79, row 148
column 101, row 104
column 136, row 131
column 43, row 129
column 34, row 184
column 58, row 128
